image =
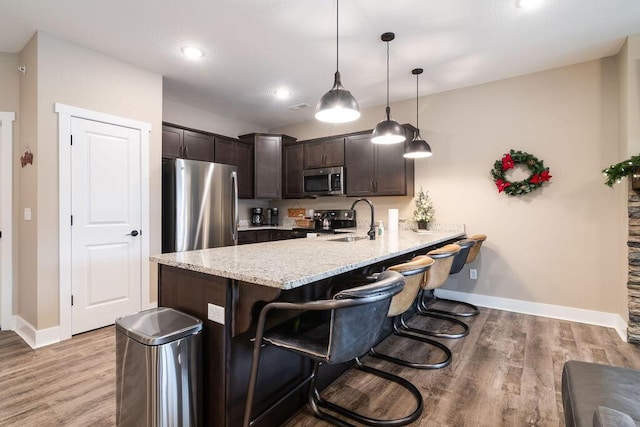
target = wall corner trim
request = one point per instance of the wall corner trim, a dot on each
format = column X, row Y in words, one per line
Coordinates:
column 580, row 315
column 36, row 338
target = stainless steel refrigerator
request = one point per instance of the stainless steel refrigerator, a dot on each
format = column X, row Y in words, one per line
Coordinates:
column 199, row 205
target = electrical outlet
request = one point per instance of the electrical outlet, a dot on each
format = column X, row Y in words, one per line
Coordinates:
column 215, row 313
column 473, row 274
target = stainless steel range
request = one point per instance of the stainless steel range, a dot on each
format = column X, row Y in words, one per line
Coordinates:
column 328, row 221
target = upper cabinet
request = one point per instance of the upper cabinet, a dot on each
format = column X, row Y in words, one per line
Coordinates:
column 378, row 170
column 292, row 171
column 267, row 149
column 324, row 153
column 186, row 144
column 224, row 150
column 244, row 159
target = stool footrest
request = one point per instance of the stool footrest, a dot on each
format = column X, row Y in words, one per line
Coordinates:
column 473, row 310
column 316, row 402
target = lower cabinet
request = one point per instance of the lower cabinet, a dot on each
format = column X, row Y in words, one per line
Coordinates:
column 257, row 236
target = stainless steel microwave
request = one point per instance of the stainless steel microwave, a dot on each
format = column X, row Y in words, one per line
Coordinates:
column 324, row 182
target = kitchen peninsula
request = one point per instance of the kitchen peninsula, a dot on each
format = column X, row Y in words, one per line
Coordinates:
column 226, row 288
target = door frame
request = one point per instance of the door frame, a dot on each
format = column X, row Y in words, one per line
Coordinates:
column 7, row 319
column 65, row 114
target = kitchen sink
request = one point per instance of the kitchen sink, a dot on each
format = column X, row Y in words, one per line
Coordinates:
column 348, row 239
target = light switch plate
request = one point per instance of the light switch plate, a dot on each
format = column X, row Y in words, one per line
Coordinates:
column 215, row 313
column 27, row 214
column 473, row 274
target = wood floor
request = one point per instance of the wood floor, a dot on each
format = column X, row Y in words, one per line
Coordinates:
column 505, row 373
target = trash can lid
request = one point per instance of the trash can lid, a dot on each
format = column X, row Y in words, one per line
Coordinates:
column 158, row 326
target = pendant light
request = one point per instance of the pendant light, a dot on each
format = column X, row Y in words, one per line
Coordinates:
column 388, row 131
column 337, row 105
column 418, row 148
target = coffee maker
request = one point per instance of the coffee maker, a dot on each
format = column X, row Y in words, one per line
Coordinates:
column 257, row 218
column 272, row 216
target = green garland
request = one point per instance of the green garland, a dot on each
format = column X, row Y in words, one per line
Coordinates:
column 615, row 173
column 539, row 173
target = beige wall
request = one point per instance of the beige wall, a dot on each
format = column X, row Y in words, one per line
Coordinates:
column 185, row 115
column 26, row 284
column 9, row 91
column 83, row 78
column 560, row 245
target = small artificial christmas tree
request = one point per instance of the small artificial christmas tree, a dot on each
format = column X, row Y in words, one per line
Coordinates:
column 424, row 209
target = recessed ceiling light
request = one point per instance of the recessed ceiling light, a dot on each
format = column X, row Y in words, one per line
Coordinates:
column 282, row 93
column 528, row 4
column 192, row 52
column 298, row 106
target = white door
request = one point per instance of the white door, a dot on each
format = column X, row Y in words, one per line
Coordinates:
column 106, row 218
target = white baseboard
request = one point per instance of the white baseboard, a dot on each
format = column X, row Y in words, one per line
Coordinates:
column 591, row 317
column 36, row 338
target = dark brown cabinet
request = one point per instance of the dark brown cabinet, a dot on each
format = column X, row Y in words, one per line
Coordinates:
column 324, row 153
column 191, row 144
column 257, row 236
column 186, row 144
column 377, row 170
column 244, row 163
column 267, row 150
column 224, row 150
column 292, row 172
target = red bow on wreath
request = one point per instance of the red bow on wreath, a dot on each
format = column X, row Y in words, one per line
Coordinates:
column 501, row 184
column 540, row 178
column 507, row 162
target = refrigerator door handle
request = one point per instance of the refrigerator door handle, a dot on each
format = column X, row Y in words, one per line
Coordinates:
column 234, row 203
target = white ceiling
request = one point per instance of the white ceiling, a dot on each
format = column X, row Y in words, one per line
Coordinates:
column 253, row 47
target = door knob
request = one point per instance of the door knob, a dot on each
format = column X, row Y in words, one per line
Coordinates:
column 134, row 233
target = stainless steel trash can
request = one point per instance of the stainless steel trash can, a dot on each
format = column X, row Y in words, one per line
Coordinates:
column 158, row 365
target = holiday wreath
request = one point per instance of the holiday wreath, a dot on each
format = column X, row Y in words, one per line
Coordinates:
column 539, row 174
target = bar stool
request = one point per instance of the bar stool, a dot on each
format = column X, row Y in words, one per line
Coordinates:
column 354, row 325
column 475, row 250
column 433, row 279
column 466, row 245
column 413, row 272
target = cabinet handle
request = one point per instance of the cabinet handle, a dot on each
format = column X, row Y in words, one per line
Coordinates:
column 375, row 186
column 186, row 153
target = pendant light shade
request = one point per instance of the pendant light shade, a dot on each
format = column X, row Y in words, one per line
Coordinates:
column 388, row 131
column 418, row 148
column 337, row 105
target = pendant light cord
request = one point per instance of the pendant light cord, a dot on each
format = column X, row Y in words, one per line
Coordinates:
column 337, row 20
column 417, row 122
column 388, row 108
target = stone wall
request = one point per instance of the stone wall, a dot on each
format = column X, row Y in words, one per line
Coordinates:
column 633, row 283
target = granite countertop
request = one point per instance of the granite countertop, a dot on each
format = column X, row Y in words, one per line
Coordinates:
column 288, row 264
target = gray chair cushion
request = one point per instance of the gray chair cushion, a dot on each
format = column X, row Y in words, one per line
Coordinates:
column 607, row 417
column 585, row 386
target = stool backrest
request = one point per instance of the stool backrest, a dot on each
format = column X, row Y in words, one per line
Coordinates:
column 439, row 271
column 461, row 257
column 413, row 272
column 475, row 250
column 357, row 328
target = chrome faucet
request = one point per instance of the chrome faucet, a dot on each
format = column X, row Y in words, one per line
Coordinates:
column 372, row 231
